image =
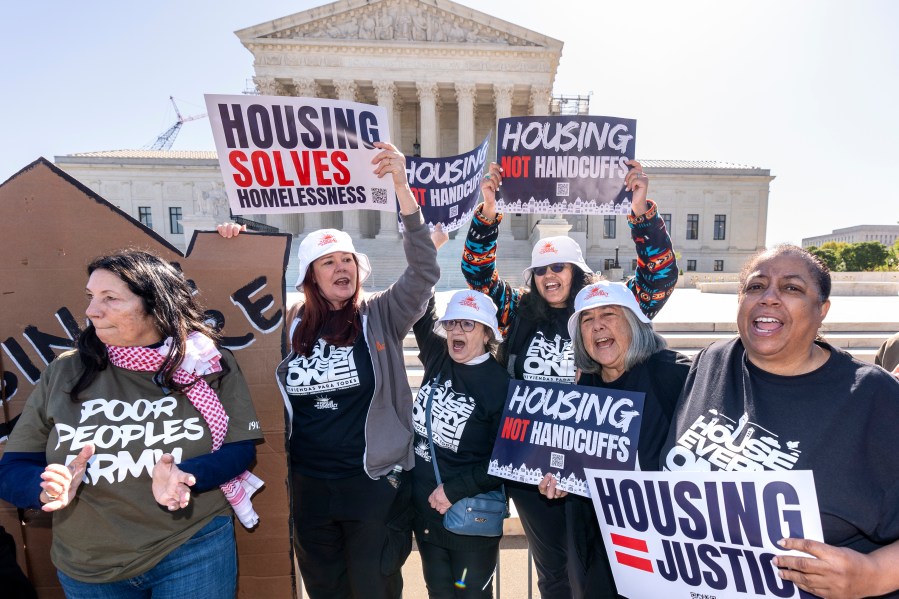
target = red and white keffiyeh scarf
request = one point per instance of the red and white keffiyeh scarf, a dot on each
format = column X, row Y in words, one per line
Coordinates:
column 201, row 358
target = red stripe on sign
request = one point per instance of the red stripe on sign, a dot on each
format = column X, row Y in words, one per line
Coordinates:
column 629, row 543
column 633, row 561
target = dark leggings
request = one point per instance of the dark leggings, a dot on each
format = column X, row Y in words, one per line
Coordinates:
column 352, row 536
column 560, row 575
column 457, row 574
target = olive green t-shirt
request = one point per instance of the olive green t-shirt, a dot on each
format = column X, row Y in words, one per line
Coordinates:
column 114, row 529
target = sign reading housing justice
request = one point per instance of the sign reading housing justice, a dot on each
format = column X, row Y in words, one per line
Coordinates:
column 565, row 164
column 703, row 534
column 560, row 428
column 281, row 154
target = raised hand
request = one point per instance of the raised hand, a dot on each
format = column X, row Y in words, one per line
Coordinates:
column 637, row 182
column 60, row 483
column 489, row 186
column 171, row 485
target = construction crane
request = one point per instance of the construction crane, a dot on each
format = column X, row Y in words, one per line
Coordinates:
column 167, row 138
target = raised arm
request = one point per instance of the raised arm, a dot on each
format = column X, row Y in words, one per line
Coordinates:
column 410, row 293
column 479, row 254
column 656, row 273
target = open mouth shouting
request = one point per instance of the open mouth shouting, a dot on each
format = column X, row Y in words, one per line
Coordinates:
column 766, row 325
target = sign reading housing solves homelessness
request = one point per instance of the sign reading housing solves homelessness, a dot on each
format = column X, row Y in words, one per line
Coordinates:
column 565, row 164
column 447, row 189
column 701, row 534
column 560, row 428
column 281, row 154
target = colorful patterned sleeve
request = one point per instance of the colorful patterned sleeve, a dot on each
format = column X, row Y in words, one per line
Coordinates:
column 479, row 268
column 656, row 274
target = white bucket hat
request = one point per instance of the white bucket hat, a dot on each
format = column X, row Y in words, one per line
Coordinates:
column 551, row 250
column 472, row 305
column 327, row 241
column 604, row 293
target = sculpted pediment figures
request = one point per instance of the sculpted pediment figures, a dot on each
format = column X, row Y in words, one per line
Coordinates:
column 399, row 20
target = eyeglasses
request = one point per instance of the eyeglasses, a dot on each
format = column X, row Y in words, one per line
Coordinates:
column 556, row 268
column 467, row 325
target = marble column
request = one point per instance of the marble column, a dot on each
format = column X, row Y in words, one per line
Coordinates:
column 540, row 97
column 346, row 89
column 465, row 96
column 267, row 86
column 306, row 87
column 386, row 94
column 427, row 97
column 502, row 99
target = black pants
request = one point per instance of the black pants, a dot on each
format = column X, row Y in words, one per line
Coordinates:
column 352, row 535
column 457, row 574
column 586, row 543
column 13, row 582
column 560, row 575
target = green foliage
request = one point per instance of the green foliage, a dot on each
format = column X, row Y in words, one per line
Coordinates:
column 857, row 257
column 864, row 256
column 828, row 256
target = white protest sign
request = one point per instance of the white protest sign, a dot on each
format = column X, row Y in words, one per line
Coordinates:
column 280, row 154
column 686, row 535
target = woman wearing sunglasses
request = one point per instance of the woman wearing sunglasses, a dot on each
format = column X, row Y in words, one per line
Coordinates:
column 466, row 388
column 534, row 322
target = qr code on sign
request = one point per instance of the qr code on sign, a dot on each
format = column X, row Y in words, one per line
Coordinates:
column 561, row 189
column 454, row 211
column 557, row 460
column 378, row 195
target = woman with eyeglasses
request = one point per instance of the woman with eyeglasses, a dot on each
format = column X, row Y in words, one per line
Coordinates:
column 466, row 389
column 347, row 395
column 534, row 322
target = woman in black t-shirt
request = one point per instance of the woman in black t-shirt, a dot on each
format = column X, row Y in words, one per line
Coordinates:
column 466, row 388
column 537, row 346
column 615, row 347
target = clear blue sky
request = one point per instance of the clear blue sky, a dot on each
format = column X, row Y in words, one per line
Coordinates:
column 808, row 90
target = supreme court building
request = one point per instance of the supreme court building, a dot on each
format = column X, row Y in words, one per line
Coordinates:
column 445, row 73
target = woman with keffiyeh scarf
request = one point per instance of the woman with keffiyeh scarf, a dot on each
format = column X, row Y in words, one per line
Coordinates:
column 139, row 441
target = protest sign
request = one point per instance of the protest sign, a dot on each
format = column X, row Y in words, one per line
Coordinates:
column 447, row 189
column 560, row 428
column 52, row 227
column 689, row 535
column 282, row 154
column 565, row 164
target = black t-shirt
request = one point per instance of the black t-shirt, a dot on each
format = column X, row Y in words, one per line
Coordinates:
column 838, row 421
column 661, row 378
column 465, row 412
column 330, row 392
column 543, row 352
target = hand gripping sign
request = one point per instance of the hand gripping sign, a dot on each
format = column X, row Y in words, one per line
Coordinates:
column 703, row 535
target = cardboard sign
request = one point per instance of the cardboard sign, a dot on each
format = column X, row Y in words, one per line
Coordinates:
column 52, row 226
column 565, row 164
column 447, row 189
column 703, row 534
column 562, row 429
column 281, row 154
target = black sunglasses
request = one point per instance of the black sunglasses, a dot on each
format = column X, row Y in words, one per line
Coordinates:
column 556, row 268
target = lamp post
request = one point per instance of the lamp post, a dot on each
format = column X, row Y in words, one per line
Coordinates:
column 616, row 258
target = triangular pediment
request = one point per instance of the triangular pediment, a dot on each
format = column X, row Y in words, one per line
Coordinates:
column 400, row 21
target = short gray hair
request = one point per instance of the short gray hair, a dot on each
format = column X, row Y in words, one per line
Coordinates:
column 644, row 342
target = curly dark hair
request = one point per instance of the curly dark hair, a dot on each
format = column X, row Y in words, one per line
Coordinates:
column 166, row 297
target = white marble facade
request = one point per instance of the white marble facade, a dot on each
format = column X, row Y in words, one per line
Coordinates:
column 445, row 73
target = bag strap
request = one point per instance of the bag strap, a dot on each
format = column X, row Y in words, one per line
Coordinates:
column 434, row 384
